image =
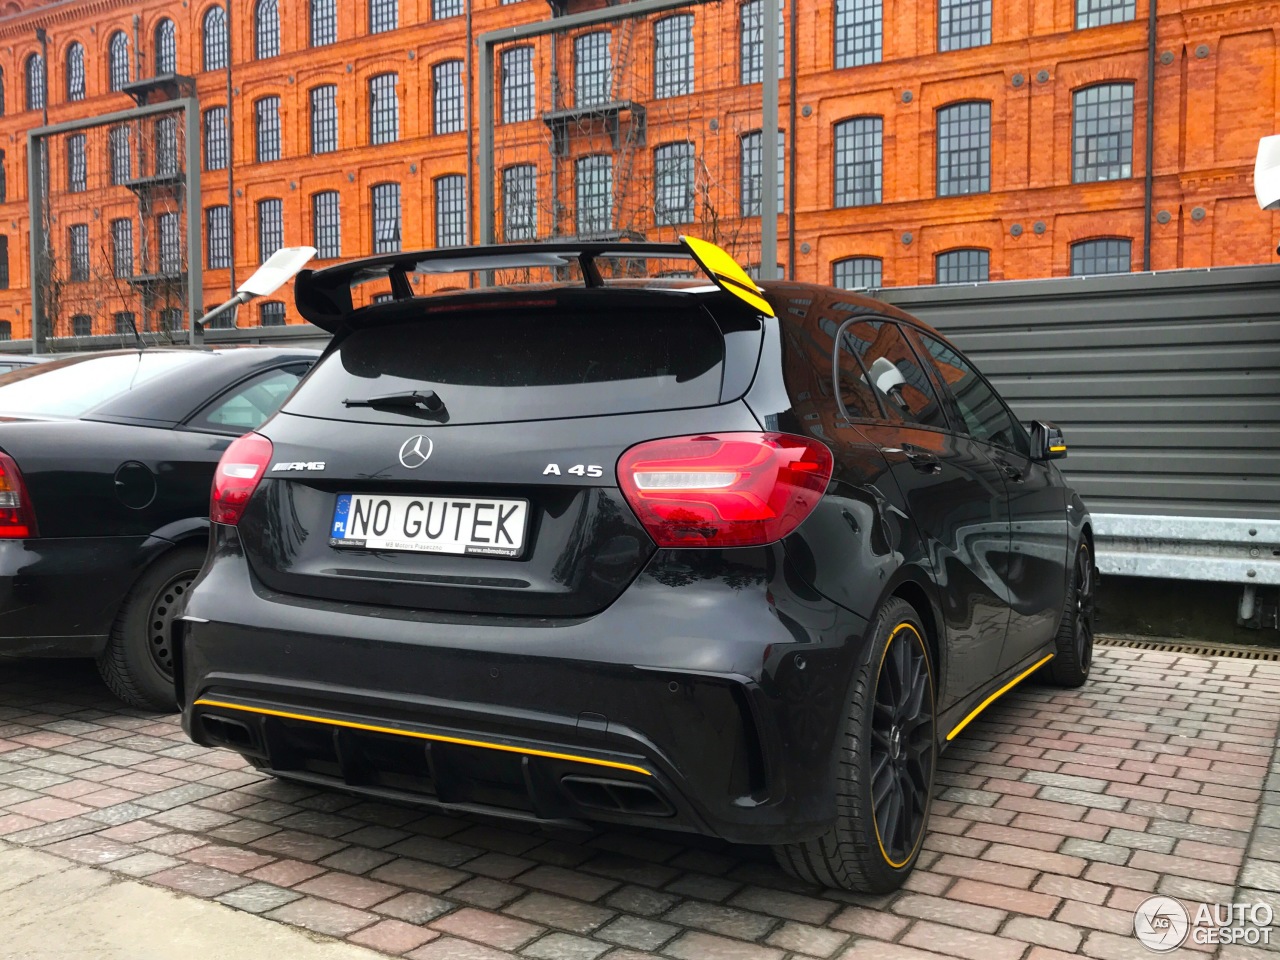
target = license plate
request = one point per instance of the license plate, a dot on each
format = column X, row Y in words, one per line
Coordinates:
column 456, row 525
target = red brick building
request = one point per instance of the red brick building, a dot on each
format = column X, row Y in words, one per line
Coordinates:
column 936, row 140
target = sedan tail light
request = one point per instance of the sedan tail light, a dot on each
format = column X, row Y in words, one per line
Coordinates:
column 726, row 490
column 237, row 476
column 17, row 518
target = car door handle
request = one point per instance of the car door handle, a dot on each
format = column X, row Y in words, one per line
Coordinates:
column 1009, row 470
column 922, row 460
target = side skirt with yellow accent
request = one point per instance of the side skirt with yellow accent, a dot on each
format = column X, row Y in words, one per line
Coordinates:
column 435, row 737
column 992, row 698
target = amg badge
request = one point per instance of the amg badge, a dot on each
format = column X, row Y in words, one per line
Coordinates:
column 300, row 465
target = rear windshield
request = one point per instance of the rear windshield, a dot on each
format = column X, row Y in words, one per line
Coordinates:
column 524, row 364
column 73, row 386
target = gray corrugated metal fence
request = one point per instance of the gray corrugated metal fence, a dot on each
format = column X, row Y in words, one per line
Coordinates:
column 1167, row 385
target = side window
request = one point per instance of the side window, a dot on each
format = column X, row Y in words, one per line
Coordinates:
column 984, row 414
column 247, row 405
column 856, row 398
column 893, row 373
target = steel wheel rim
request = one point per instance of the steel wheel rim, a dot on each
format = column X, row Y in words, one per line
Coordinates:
column 1084, row 608
column 902, row 745
column 164, row 608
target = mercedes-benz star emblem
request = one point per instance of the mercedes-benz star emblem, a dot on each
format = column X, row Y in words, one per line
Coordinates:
column 415, row 451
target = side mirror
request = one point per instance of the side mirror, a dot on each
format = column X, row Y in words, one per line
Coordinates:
column 1047, row 442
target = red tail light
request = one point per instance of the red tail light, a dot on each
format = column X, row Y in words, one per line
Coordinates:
column 17, row 518
column 727, row 490
column 239, row 471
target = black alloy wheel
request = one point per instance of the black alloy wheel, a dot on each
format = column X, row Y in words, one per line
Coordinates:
column 886, row 754
column 1073, row 646
column 902, row 745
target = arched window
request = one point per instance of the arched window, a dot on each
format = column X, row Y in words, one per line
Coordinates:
column 1, row 93
column 324, row 22
column 266, row 30
column 857, row 273
column 75, row 72
column 166, row 48
column 118, row 53
column 35, row 82
column 214, row 34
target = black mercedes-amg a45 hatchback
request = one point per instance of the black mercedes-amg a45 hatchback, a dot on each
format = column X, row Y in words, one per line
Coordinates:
column 593, row 532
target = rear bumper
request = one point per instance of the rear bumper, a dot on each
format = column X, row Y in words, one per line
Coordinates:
column 59, row 596
column 703, row 699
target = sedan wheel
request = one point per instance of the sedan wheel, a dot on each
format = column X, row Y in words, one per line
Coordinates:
column 137, row 663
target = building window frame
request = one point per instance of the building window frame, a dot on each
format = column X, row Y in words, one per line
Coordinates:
column 217, row 237
column 450, row 194
column 384, row 108
column 270, row 212
column 674, row 187
column 962, row 265
column 448, row 114
column 963, row 24
column 1101, row 13
column 751, row 42
column 384, row 16
column 518, row 84
column 1102, row 132
column 858, row 273
column 75, row 72
column 858, row 163
column 78, row 247
column 326, row 224
column 118, row 60
column 166, row 47
column 216, row 153
column 77, row 164
column 386, row 219
column 214, row 41
column 673, row 56
column 1100, row 256
column 858, row 32
column 37, row 86
column 266, row 29
column 322, row 19
column 122, row 255
column 266, row 129
column 323, row 105
column 592, row 68
column 963, row 148
column 520, row 203
column 593, row 194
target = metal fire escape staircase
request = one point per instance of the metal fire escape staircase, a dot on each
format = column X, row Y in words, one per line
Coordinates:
column 623, row 119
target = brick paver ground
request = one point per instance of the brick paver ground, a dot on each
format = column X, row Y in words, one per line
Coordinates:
column 1056, row 815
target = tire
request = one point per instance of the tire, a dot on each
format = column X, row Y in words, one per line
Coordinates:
column 1073, row 647
column 872, row 757
column 137, row 664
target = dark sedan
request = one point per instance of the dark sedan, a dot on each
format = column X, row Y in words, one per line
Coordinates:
column 734, row 561
column 106, row 461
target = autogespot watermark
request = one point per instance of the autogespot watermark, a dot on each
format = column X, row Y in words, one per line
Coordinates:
column 1163, row 924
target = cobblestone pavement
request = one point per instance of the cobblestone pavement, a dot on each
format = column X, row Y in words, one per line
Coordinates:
column 1056, row 815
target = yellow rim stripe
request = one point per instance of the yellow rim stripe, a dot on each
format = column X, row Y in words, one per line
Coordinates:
column 439, row 738
column 929, row 671
column 1003, row 690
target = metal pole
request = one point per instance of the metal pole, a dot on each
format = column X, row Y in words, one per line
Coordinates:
column 231, row 165
column 1149, row 174
column 35, row 203
column 485, row 186
column 769, row 143
column 195, row 255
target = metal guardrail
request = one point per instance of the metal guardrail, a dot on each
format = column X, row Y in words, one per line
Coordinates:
column 1189, row 548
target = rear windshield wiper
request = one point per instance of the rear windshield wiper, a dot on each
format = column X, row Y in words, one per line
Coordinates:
column 409, row 400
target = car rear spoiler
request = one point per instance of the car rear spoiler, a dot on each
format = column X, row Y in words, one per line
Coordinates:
column 324, row 296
